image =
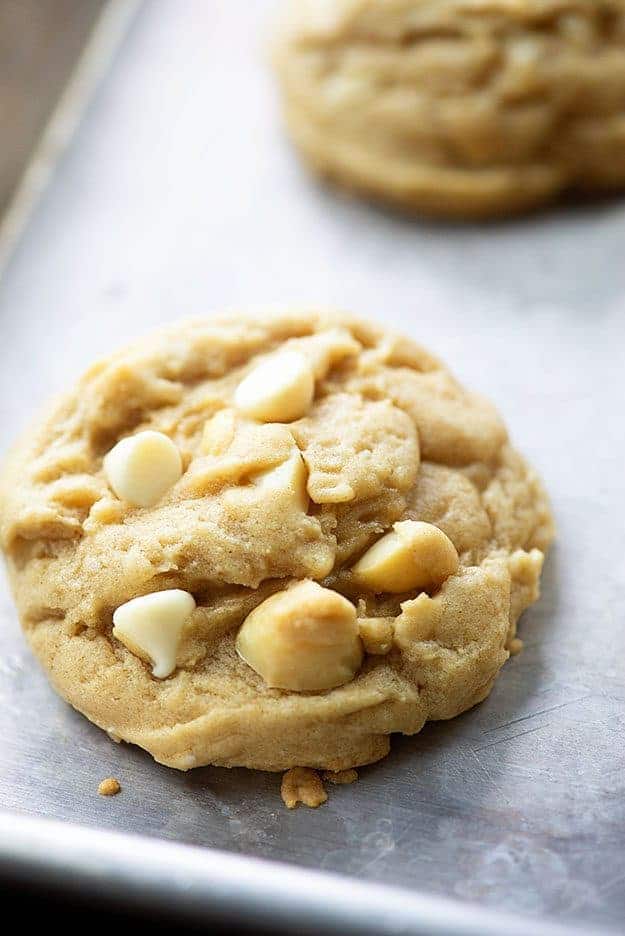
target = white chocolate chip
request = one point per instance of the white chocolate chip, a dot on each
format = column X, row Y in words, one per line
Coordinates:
column 280, row 389
column 290, row 477
column 142, row 468
column 414, row 555
column 304, row 638
column 150, row 627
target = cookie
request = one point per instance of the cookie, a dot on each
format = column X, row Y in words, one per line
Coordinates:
column 271, row 542
column 458, row 108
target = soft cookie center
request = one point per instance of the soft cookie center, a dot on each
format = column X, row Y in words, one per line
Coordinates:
column 305, row 637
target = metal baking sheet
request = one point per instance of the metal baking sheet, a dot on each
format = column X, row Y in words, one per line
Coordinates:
column 40, row 44
column 180, row 195
column 52, row 57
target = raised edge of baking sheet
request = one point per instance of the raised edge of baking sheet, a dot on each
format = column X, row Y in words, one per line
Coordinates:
column 194, row 885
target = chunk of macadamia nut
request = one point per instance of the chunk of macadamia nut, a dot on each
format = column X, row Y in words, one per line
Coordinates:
column 218, row 432
column 141, row 468
column 414, row 555
column 288, row 478
column 151, row 626
column 280, row 389
column 304, row 639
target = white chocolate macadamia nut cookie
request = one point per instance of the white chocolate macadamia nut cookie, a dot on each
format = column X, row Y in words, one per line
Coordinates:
column 271, row 541
column 457, row 108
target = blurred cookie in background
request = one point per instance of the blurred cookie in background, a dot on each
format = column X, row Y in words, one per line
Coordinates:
column 458, row 108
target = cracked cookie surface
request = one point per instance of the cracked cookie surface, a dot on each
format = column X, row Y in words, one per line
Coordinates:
column 460, row 108
column 259, row 508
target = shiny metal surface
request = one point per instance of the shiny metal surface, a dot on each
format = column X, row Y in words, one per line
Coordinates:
column 210, row 886
column 180, row 195
column 52, row 57
column 40, row 43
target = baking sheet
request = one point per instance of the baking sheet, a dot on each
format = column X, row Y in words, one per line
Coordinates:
column 40, row 44
column 52, row 57
column 180, row 195
column 182, row 884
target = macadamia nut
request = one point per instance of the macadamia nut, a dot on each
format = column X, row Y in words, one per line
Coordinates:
column 280, row 389
column 414, row 555
column 142, row 468
column 289, row 478
column 219, row 432
column 303, row 638
column 150, row 627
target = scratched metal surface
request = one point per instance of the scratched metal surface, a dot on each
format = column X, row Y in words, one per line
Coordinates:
column 180, row 195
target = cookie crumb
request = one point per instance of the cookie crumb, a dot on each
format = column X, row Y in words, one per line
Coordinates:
column 340, row 777
column 109, row 787
column 302, row 785
column 515, row 646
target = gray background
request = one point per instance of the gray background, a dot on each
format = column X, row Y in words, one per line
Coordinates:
column 180, row 195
